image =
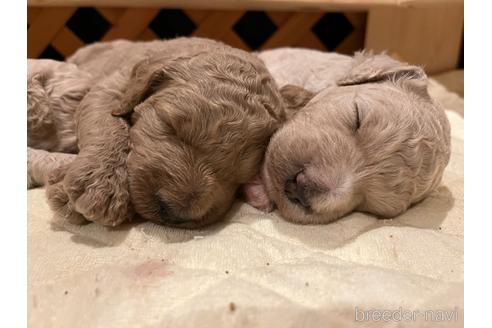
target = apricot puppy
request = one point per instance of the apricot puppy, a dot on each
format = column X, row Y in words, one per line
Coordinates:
column 169, row 130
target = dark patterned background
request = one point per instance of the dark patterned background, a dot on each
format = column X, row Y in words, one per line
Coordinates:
column 250, row 30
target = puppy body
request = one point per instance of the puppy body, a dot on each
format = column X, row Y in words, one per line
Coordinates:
column 310, row 69
column 201, row 115
column 369, row 137
column 54, row 90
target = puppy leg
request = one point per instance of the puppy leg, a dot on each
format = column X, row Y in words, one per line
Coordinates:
column 58, row 199
column 41, row 162
column 96, row 181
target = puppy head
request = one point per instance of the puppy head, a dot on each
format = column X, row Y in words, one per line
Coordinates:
column 200, row 126
column 375, row 143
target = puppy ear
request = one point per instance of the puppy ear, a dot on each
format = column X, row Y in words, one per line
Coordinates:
column 145, row 79
column 42, row 78
column 295, row 97
column 369, row 68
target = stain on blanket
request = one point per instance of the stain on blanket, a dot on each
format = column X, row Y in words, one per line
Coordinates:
column 152, row 269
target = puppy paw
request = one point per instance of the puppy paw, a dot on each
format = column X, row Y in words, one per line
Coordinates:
column 254, row 194
column 60, row 204
column 98, row 188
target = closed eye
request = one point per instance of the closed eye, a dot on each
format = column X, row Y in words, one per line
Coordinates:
column 357, row 117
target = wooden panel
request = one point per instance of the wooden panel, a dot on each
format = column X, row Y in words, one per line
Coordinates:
column 131, row 24
column 32, row 13
column 309, row 40
column 217, row 24
column 356, row 19
column 292, row 30
column 425, row 36
column 246, row 4
column 355, row 41
column 111, row 14
column 148, row 35
column 234, row 40
column 66, row 42
column 279, row 17
column 428, row 35
column 197, row 16
column 44, row 28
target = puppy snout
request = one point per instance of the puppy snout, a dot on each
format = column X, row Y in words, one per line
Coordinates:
column 297, row 189
column 167, row 217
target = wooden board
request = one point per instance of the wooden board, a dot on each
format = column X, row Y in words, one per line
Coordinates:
column 430, row 37
column 47, row 27
column 44, row 27
column 246, row 4
column 427, row 33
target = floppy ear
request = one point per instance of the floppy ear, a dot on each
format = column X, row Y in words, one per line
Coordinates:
column 369, row 68
column 147, row 76
column 295, row 97
column 41, row 78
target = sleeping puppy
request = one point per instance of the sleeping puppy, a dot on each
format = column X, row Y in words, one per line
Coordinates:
column 169, row 129
column 369, row 138
column 54, row 90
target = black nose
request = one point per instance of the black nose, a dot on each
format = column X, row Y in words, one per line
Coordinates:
column 296, row 189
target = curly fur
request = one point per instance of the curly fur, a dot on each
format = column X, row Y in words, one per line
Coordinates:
column 54, row 90
column 374, row 142
column 201, row 115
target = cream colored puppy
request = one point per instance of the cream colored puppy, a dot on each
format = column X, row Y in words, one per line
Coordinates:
column 369, row 138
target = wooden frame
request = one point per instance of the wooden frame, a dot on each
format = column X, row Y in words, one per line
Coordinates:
column 430, row 37
column 288, row 5
column 427, row 33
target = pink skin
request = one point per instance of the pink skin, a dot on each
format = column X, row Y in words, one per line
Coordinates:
column 254, row 193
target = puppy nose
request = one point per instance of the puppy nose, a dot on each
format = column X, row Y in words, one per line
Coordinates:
column 164, row 209
column 296, row 189
column 167, row 217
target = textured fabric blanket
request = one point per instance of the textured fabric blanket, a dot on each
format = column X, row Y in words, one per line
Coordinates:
column 255, row 269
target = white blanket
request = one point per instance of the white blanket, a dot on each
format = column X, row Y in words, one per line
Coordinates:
column 254, row 269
